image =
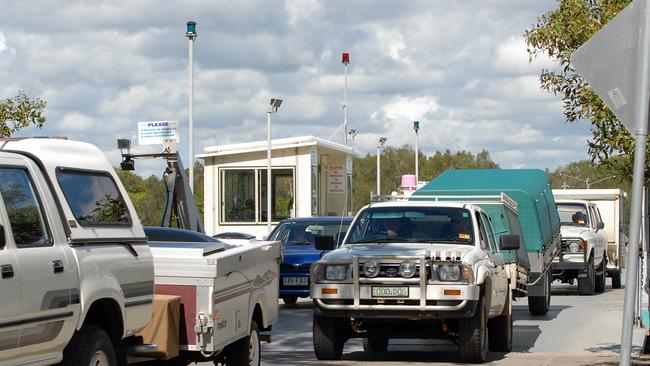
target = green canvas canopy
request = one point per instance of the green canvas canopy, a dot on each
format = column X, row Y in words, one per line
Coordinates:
column 530, row 188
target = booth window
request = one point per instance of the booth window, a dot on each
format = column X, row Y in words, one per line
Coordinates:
column 238, row 187
column 282, row 194
column 241, row 187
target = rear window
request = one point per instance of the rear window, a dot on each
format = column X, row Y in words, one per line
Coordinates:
column 93, row 198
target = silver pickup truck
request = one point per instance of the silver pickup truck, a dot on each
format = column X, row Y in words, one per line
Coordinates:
column 416, row 269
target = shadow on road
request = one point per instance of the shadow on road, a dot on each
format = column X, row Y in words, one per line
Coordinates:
column 521, row 312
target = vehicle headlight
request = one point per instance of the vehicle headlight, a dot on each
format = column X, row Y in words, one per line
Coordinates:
column 371, row 269
column 336, row 272
column 576, row 246
column 407, row 269
column 455, row 273
column 449, row 273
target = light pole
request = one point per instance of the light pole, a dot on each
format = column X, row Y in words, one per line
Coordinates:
column 345, row 59
column 586, row 181
column 382, row 141
column 416, row 128
column 191, row 36
column 275, row 104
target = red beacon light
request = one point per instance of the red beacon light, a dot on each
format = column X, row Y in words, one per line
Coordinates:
column 345, row 58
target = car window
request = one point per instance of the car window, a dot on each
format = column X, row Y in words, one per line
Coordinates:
column 573, row 214
column 488, row 231
column 24, row 208
column 93, row 198
column 412, row 224
column 305, row 231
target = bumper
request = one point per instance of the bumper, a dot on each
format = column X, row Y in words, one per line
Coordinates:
column 436, row 301
column 465, row 310
column 569, row 261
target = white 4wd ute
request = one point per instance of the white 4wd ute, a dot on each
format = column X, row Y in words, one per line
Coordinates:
column 584, row 246
column 416, row 269
column 76, row 271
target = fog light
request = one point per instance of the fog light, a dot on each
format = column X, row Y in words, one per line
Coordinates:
column 371, row 269
column 407, row 269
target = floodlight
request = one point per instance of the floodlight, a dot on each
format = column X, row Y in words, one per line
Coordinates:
column 416, row 126
column 275, row 104
column 123, row 144
column 382, row 141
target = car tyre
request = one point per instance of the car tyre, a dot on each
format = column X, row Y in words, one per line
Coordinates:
column 375, row 344
column 616, row 279
column 290, row 300
column 90, row 345
column 587, row 284
column 246, row 351
column 328, row 337
column 540, row 305
column 601, row 278
column 472, row 335
column 500, row 329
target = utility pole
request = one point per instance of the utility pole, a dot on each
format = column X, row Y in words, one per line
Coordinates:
column 345, row 59
column 191, row 36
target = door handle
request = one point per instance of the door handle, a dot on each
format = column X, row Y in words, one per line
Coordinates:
column 57, row 265
column 7, row 270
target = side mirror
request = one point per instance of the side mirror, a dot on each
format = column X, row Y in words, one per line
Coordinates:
column 3, row 239
column 509, row 242
column 265, row 237
column 324, row 242
column 601, row 225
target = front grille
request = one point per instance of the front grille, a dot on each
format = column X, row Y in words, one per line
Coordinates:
column 386, row 269
column 289, row 267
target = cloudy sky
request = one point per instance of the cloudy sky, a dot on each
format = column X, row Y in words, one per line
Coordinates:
column 459, row 67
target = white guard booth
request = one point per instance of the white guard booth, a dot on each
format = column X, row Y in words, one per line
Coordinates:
column 309, row 177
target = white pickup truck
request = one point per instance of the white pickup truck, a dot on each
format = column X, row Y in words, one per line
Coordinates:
column 584, row 246
column 76, row 270
column 419, row 269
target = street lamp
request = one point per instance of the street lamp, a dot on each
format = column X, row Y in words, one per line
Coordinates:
column 191, row 36
column 416, row 128
column 275, row 104
column 586, row 181
column 345, row 60
column 382, row 141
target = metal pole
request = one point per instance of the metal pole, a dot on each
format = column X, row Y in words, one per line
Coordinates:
column 191, row 117
column 417, row 153
column 268, row 173
column 641, row 133
column 378, row 171
column 345, row 107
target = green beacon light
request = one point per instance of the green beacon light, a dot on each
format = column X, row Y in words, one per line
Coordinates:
column 191, row 28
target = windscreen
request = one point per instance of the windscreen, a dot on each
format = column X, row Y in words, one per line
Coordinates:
column 304, row 232
column 412, row 224
column 573, row 214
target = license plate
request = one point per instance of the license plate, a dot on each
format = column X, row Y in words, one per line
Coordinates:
column 295, row 281
column 390, row 291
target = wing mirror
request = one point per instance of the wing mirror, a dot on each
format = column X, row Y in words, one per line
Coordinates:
column 601, row 225
column 509, row 242
column 324, row 242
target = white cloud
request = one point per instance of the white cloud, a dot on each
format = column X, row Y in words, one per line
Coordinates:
column 460, row 69
column 301, row 9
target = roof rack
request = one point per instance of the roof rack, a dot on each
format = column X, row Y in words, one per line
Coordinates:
column 500, row 199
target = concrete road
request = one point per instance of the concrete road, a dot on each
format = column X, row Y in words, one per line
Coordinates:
column 578, row 330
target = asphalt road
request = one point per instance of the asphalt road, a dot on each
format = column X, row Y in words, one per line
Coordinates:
column 578, row 330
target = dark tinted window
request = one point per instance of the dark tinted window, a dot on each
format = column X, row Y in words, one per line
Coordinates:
column 93, row 198
column 304, row 232
column 23, row 208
